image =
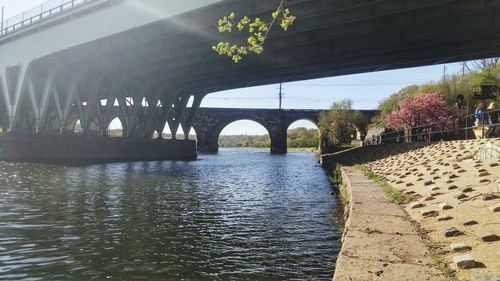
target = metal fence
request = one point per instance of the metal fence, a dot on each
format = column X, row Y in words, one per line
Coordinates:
column 456, row 128
column 37, row 14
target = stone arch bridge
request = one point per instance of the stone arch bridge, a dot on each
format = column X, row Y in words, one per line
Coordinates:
column 209, row 123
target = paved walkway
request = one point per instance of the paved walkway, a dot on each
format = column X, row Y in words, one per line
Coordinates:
column 379, row 242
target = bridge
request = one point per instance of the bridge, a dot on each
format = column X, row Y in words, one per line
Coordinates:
column 155, row 56
column 209, row 123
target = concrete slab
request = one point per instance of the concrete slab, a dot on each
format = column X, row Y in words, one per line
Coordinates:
column 379, row 240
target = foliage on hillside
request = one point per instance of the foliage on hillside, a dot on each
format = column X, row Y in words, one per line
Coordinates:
column 449, row 87
column 297, row 138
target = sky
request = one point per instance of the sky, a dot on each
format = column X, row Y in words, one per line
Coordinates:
column 365, row 90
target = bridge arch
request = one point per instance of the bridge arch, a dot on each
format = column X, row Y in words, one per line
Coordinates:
column 303, row 127
column 208, row 140
column 115, row 128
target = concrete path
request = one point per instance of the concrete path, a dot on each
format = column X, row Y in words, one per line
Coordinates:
column 379, row 242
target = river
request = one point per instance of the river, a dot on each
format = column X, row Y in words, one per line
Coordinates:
column 242, row 214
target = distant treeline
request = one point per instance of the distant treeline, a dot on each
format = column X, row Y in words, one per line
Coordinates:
column 297, row 138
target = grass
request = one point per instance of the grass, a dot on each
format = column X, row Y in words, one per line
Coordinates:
column 449, row 273
column 394, row 195
column 344, row 195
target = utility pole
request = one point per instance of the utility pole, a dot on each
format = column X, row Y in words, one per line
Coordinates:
column 280, row 95
column 1, row 30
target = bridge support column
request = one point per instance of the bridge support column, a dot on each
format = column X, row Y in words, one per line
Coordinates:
column 278, row 139
column 206, row 143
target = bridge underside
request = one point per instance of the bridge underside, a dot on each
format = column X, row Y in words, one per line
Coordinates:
column 151, row 72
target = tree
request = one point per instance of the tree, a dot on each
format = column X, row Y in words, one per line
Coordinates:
column 257, row 29
column 392, row 103
column 418, row 110
column 338, row 124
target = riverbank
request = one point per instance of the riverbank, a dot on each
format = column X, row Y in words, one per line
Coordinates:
column 454, row 203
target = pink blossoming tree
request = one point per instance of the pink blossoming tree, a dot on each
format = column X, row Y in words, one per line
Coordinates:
column 418, row 110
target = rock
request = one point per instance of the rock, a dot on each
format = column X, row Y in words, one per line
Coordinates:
column 489, row 196
column 464, row 262
column 461, row 171
column 488, row 236
column 450, row 232
column 452, row 176
column 436, row 177
column 495, row 208
column 433, row 187
column 468, row 221
column 461, row 196
column 416, row 205
column 459, row 247
column 444, row 218
column 408, row 184
column 467, row 189
column 452, row 187
column 410, row 192
column 483, row 180
column 494, row 164
column 427, row 183
column 399, row 182
column 483, row 174
column 429, row 213
column 429, row 198
column 445, row 206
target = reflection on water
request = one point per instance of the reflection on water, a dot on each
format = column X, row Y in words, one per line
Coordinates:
column 241, row 214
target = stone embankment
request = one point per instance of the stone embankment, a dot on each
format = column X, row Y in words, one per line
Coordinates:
column 454, row 187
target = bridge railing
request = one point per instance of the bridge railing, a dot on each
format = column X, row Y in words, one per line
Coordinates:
column 37, row 14
column 455, row 128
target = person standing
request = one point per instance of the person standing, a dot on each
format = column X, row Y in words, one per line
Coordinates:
column 493, row 113
column 481, row 115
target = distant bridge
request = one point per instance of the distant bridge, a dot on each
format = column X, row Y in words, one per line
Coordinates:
column 209, row 123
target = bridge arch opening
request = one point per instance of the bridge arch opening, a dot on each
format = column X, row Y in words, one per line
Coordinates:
column 77, row 128
column 303, row 134
column 115, row 128
column 244, row 133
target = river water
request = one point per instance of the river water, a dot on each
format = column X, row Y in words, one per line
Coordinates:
column 240, row 215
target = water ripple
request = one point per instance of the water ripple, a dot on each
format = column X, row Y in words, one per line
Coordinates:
column 239, row 215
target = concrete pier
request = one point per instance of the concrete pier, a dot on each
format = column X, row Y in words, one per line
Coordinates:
column 72, row 149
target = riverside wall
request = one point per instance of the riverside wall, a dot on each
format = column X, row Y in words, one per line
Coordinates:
column 92, row 149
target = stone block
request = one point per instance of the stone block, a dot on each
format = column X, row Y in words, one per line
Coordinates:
column 459, row 247
column 429, row 198
column 433, row 187
column 468, row 221
column 489, row 196
column 450, row 232
column 444, row 218
column 495, row 208
column 445, row 206
column 429, row 213
column 416, row 205
column 408, row 184
column 427, row 183
column 464, row 262
column 488, row 236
